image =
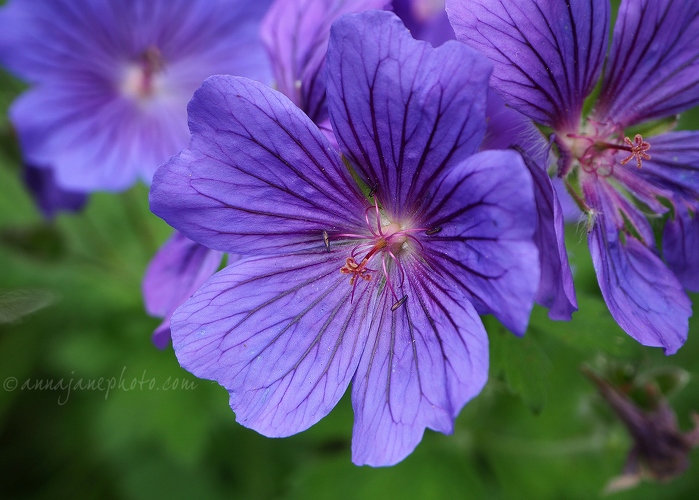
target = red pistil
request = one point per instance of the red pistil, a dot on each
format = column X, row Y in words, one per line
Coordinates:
column 638, row 149
column 360, row 270
column 386, row 240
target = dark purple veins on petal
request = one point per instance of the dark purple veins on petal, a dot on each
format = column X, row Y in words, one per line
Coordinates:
column 547, row 55
column 403, row 111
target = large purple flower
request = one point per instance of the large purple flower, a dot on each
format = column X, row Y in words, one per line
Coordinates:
column 295, row 34
column 112, row 79
column 369, row 267
column 548, row 57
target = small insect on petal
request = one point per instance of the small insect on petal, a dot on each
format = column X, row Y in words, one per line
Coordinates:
column 374, row 188
column 434, row 230
column 399, row 303
column 326, row 240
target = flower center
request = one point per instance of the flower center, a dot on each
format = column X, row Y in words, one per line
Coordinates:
column 387, row 242
column 595, row 148
column 142, row 79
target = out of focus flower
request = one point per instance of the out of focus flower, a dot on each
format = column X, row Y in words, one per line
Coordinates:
column 112, row 78
column 660, row 449
column 48, row 196
column 369, row 267
column 548, row 57
column 426, row 19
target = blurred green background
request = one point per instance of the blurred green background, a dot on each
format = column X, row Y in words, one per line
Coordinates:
column 538, row 430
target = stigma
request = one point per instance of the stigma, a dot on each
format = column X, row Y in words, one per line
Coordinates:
column 596, row 146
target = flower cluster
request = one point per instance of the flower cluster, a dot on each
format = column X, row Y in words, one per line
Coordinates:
column 548, row 56
column 378, row 197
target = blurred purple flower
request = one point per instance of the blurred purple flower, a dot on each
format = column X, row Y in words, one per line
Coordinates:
column 112, row 78
column 379, row 286
column 660, row 450
column 426, row 19
column 548, row 57
column 48, row 196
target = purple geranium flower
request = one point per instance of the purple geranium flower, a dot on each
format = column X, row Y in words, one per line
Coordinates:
column 548, row 57
column 295, row 33
column 379, row 286
column 112, row 79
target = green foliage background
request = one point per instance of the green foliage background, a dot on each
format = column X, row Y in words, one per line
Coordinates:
column 538, row 430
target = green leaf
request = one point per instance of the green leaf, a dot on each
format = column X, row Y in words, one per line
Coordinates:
column 591, row 329
column 523, row 365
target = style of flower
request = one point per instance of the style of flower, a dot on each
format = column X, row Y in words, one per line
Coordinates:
column 548, row 57
column 368, row 267
column 112, row 78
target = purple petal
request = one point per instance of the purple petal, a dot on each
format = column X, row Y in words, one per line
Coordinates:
column 426, row 19
column 556, row 290
column 179, row 268
column 280, row 334
column 403, row 111
column 547, row 55
column 295, row 33
column 258, row 177
column 486, row 206
column 653, row 65
column 681, row 247
column 674, row 163
column 98, row 141
column 508, row 127
column 49, row 196
column 162, row 335
column 569, row 209
column 422, row 363
column 60, row 40
column 642, row 294
column 91, row 117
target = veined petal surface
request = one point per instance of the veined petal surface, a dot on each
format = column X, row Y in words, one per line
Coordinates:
column 653, row 65
column 404, row 112
column 486, row 211
column 643, row 295
column 280, row 333
column 423, row 361
column 681, row 246
column 548, row 54
column 258, row 177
